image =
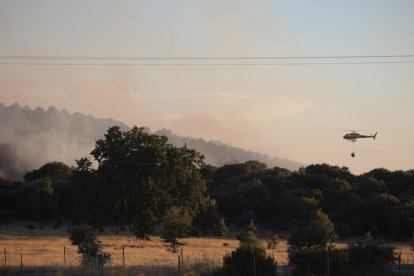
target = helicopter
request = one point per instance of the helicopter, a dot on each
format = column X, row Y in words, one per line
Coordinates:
column 353, row 136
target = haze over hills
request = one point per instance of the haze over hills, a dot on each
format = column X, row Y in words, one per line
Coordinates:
column 30, row 138
column 218, row 153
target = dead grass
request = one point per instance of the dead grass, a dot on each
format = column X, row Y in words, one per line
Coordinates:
column 45, row 247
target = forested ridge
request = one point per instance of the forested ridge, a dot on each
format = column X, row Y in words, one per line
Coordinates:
column 141, row 180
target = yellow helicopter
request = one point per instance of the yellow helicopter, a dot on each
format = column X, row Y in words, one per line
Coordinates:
column 353, row 136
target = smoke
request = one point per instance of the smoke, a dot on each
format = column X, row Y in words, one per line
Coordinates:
column 30, row 138
column 11, row 165
column 218, row 153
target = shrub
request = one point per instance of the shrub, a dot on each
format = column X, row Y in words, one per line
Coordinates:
column 89, row 247
column 244, row 261
column 315, row 261
column 362, row 258
column 318, row 232
column 250, row 258
column 370, row 257
column 248, row 237
column 176, row 224
column 221, row 228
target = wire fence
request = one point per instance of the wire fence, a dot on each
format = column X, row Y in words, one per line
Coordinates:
column 124, row 261
column 34, row 261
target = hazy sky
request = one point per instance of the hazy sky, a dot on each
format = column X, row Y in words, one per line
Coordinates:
column 290, row 111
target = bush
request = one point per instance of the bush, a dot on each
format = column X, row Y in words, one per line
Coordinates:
column 362, row 258
column 317, row 233
column 370, row 257
column 244, row 261
column 176, row 224
column 221, row 228
column 315, row 261
column 248, row 237
column 250, row 258
column 208, row 218
column 89, row 247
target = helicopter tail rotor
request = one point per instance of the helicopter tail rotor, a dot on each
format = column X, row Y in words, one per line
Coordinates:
column 375, row 135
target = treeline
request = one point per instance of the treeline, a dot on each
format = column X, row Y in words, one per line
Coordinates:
column 379, row 201
column 141, row 181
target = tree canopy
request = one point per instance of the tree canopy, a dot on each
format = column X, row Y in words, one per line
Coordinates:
column 139, row 177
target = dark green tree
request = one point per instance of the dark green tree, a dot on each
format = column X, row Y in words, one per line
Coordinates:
column 175, row 224
column 362, row 258
column 333, row 172
column 401, row 222
column 60, row 175
column 208, row 217
column 250, row 258
column 369, row 258
column 220, row 227
column 276, row 180
column 9, row 196
column 334, row 194
column 315, row 261
column 139, row 177
column 90, row 248
column 248, row 237
column 351, row 210
column 380, row 207
column 369, row 186
column 317, row 233
column 50, row 170
column 236, row 197
column 296, row 208
column 89, row 196
column 244, row 171
column 38, row 201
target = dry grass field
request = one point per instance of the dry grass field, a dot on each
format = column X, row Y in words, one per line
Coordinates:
column 48, row 247
column 45, row 246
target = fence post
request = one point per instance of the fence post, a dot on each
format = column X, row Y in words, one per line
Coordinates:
column 328, row 263
column 254, row 265
column 182, row 259
column 123, row 255
column 179, row 264
column 399, row 264
column 21, row 263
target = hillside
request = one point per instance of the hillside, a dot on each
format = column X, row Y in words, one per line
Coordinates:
column 217, row 153
column 31, row 137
